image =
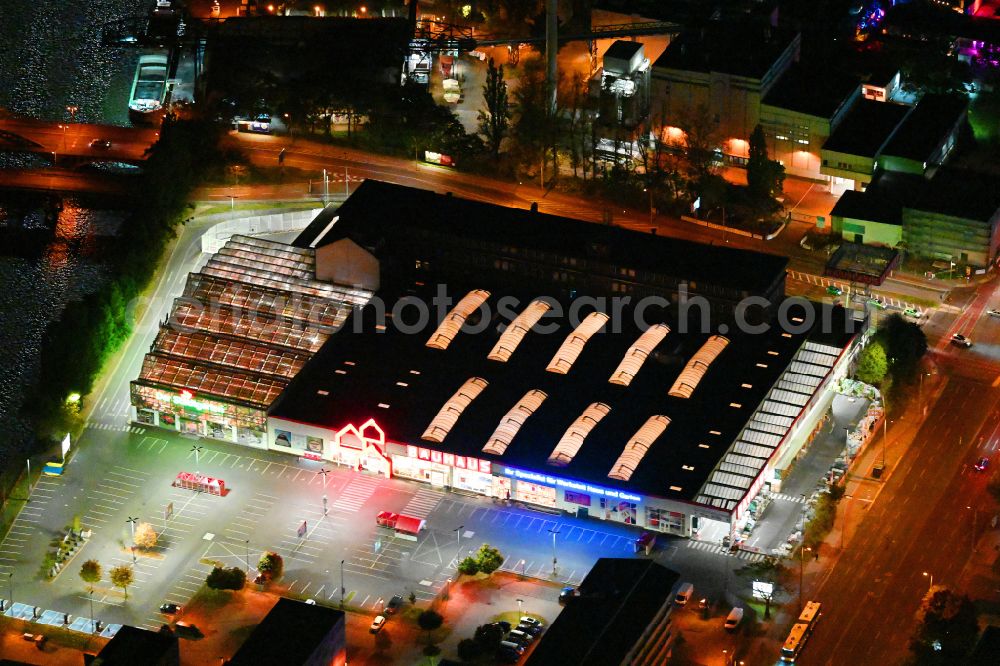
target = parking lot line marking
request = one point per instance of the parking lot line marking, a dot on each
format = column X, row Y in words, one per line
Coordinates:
column 238, row 458
column 305, row 587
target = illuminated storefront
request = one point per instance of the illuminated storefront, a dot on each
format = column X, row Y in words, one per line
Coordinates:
column 200, row 415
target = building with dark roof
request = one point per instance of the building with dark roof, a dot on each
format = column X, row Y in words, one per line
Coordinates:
column 131, row 646
column 726, row 68
column 622, row 616
column 800, row 113
column 952, row 215
column 417, row 234
column 987, row 647
column 608, row 407
column 295, row 633
column 853, row 149
column 927, row 135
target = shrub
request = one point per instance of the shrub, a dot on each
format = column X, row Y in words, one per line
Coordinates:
column 468, row 566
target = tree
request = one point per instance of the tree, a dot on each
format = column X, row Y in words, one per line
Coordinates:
column 768, row 570
column 872, row 364
column 765, row 176
column 468, row 566
column 145, row 536
column 90, row 572
column 701, row 137
column 270, row 566
column 429, row 620
column 122, row 576
column 905, row 344
column 495, row 119
column 233, row 578
column 946, row 627
column 488, row 559
column 469, row 649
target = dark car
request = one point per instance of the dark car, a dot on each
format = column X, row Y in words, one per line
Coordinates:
column 530, row 629
column 101, row 144
column 504, row 626
column 170, row 609
column 394, row 605
column 982, row 464
column 507, row 656
column 567, row 595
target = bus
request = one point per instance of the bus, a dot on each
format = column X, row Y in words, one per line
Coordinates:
column 800, row 632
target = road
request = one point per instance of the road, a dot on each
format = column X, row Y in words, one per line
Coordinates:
column 128, row 144
column 927, row 515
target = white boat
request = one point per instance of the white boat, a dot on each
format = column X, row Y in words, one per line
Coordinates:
column 148, row 89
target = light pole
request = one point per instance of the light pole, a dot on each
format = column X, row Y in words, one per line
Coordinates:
column 975, row 520
column 132, row 521
column 93, row 625
column 323, row 472
column 342, row 583
column 248, row 556
column 522, row 568
column 458, row 542
column 324, row 504
column 27, row 479
column 931, row 576
column 520, row 612
column 197, row 454
column 802, row 554
column 555, row 560
column 133, row 554
column 10, row 579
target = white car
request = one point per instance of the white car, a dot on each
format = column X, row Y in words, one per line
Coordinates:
column 993, row 313
column 377, row 624
column 960, row 340
column 734, row 618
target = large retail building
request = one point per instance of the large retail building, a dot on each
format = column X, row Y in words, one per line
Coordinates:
column 564, row 368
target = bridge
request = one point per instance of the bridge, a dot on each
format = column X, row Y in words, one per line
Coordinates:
column 66, row 181
column 69, row 144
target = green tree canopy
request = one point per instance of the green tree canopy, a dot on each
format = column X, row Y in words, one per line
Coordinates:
column 905, row 344
column 872, row 364
column 765, row 177
column 271, row 566
column 90, row 572
column 122, row 576
column 488, row 559
column 946, row 627
column 233, row 578
column 495, row 118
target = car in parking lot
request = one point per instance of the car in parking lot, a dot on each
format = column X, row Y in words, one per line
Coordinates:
column 960, row 340
column 519, row 637
column 834, row 290
column 530, row 629
column 993, row 312
column 187, row 630
column 913, row 312
column 733, row 619
column 170, row 609
column 394, row 605
column 982, row 464
column 877, row 303
column 377, row 624
column 567, row 594
column 508, row 655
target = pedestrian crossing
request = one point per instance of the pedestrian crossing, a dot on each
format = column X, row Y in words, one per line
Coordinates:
column 423, row 503
column 707, row 547
column 136, row 430
column 788, row 498
column 355, row 494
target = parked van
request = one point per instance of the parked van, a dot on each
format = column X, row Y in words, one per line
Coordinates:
column 684, row 594
column 519, row 636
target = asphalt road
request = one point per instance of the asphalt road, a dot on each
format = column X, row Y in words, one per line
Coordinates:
column 73, row 139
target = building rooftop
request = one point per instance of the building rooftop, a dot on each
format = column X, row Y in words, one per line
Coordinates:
column 618, row 601
column 960, row 193
column 589, row 394
column 379, row 214
column 623, row 50
column 987, row 647
column 131, row 646
column 247, row 323
column 813, row 92
column 866, row 128
column 868, row 264
column 747, row 49
column 289, row 634
column 868, row 206
column 926, row 128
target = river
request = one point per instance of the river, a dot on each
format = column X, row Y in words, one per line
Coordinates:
column 51, row 57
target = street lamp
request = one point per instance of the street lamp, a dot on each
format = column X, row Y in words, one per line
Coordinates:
column 323, row 472
column 458, row 542
column 93, row 625
column 10, row 579
column 519, row 611
column 324, row 504
column 197, row 454
column 555, row 560
column 342, row 583
column 248, row 556
column 931, row 576
column 802, row 554
column 132, row 521
column 522, row 568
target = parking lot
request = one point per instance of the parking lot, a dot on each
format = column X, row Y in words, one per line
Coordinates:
column 323, row 525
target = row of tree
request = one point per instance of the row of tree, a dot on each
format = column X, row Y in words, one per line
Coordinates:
column 120, row 576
